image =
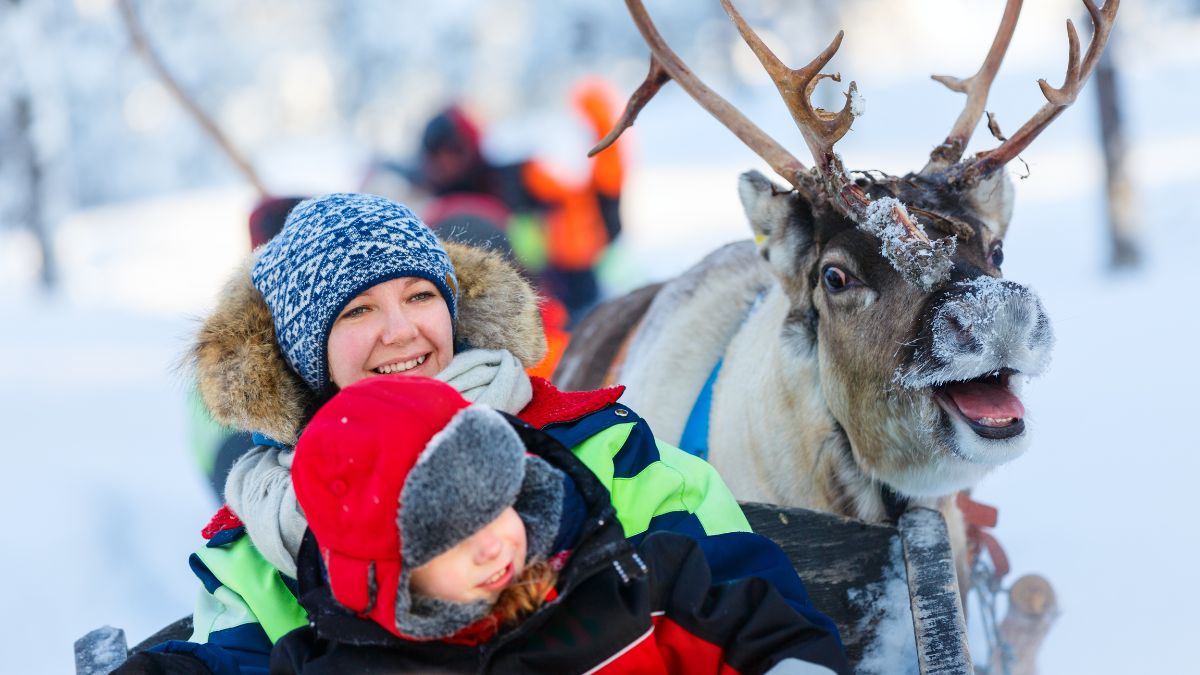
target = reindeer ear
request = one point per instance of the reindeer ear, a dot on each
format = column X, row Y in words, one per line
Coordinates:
column 767, row 205
column 992, row 201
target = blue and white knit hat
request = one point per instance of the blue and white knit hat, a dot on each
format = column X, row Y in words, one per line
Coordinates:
column 331, row 249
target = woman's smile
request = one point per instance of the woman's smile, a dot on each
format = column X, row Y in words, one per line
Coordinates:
column 400, row 365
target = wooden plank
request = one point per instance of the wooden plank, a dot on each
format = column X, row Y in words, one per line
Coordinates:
column 181, row 629
column 835, row 557
column 938, row 619
column 100, row 651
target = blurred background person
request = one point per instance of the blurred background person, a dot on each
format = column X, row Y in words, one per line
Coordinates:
column 557, row 228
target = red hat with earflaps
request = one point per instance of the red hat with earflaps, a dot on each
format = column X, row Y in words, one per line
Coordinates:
column 395, row 470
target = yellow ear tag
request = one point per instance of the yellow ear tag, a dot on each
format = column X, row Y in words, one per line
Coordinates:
column 760, row 240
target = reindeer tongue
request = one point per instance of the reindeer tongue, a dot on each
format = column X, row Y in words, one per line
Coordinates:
column 984, row 399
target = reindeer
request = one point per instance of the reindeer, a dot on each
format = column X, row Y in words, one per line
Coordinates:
column 863, row 352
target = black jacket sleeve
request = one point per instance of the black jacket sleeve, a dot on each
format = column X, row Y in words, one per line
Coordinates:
column 148, row 663
column 745, row 623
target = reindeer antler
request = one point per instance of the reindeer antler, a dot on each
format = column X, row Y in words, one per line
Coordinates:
column 666, row 65
column 976, row 88
column 911, row 252
column 820, row 128
column 1057, row 99
column 655, row 79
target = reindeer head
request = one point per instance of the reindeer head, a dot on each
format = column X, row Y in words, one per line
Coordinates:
column 924, row 379
column 895, row 282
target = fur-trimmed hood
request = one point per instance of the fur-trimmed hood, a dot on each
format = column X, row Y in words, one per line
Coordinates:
column 245, row 381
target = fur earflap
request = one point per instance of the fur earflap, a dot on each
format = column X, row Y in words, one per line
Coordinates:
column 246, row 384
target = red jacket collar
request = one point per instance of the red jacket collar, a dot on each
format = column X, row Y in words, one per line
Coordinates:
column 549, row 405
column 225, row 519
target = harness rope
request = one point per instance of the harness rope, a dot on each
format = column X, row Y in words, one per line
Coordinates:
column 989, row 565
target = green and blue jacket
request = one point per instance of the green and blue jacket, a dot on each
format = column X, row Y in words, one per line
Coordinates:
column 246, row 604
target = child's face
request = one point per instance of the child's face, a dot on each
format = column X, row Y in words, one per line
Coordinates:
column 479, row 567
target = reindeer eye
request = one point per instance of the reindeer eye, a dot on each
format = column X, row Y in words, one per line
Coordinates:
column 997, row 255
column 836, row 279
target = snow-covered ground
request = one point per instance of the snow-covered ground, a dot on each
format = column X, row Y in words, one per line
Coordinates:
column 103, row 501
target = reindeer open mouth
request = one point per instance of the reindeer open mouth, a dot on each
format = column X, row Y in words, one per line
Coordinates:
column 985, row 338
column 986, row 403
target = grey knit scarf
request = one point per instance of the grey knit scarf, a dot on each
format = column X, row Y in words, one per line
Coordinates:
column 259, row 486
column 491, row 377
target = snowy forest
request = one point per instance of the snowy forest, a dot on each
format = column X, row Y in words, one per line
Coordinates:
column 121, row 216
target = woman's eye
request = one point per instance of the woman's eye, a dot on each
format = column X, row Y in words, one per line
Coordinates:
column 353, row 312
column 422, row 296
column 997, row 255
column 836, row 279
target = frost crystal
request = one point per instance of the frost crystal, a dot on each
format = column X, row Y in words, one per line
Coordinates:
column 858, row 104
column 887, row 609
column 921, row 262
column 100, row 651
column 1009, row 323
column 985, row 324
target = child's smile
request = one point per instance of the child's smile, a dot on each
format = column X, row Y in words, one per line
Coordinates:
column 499, row 580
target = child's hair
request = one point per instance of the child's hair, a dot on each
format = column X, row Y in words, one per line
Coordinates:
column 526, row 594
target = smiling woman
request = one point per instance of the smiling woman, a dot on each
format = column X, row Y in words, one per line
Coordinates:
column 356, row 288
column 398, row 326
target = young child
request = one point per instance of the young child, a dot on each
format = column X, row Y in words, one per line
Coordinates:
column 448, row 537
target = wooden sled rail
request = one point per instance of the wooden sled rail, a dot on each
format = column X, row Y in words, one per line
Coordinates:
column 852, row 571
column 850, row 566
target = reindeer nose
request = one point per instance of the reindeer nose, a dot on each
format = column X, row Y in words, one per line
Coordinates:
column 993, row 318
column 958, row 333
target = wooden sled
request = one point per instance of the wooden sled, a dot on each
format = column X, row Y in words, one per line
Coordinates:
column 861, row 575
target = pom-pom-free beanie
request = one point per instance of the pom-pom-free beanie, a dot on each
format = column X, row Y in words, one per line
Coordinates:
column 331, row 249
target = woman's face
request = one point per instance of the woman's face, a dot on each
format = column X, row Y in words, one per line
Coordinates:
column 398, row 326
column 480, row 567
